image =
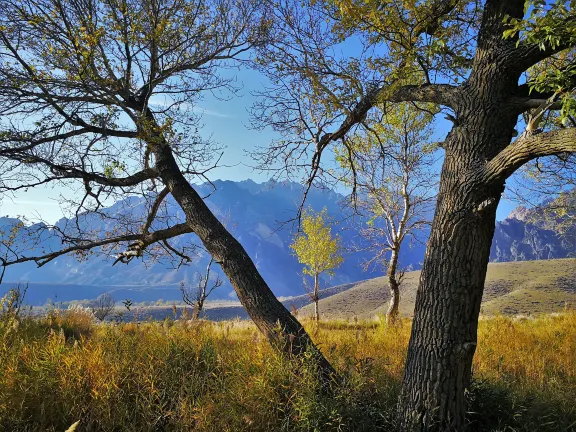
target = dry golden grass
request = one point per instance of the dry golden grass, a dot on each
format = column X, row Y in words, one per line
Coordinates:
column 203, row 376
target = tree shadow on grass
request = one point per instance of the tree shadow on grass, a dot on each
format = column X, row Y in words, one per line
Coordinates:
column 495, row 407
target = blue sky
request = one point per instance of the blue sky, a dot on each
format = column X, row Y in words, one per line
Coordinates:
column 227, row 121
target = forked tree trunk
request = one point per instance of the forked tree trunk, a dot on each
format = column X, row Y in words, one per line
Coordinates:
column 392, row 313
column 280, row 327
column 444, row 331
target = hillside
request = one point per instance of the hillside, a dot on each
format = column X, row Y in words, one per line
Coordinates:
column 523, row 287
column 512, row 288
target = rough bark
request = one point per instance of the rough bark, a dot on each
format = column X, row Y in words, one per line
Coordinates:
column 280, row 327
column 393, row 286
column 444, row 332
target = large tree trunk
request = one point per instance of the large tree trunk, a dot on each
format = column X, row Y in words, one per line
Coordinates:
column 444, row 332
column 280, row 327
column 392, row 313
column 443, row 340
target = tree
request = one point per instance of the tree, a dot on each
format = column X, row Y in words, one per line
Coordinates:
column 391, row 170
column 99, row 95
column 102, row 306
column 196, row 296
column 318, row 250
column 335, row 64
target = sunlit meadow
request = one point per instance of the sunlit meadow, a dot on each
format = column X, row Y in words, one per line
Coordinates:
column 180, row 375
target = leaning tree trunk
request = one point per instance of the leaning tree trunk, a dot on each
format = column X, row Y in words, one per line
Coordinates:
column 280, row 327
column 444, row 331
column 392, row 313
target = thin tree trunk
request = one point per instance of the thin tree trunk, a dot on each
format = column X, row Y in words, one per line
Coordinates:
column 280, row 327
column 316, row 299
column 392, row 313
column 196, row 311
column 444, row 331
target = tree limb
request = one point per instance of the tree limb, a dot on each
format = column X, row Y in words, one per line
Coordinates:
column 143, row 240
column 70, row 172
column 529, row 146
column 527, row 55
column 432, row 21
column 154, row 210
column 442, row 94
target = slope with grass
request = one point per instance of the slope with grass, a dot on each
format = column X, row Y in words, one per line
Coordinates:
column 522, row 287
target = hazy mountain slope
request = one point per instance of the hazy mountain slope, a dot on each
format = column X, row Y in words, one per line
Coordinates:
column 254, row 213
column 529, row 234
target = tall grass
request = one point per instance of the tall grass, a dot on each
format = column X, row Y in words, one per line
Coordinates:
column 203, row 376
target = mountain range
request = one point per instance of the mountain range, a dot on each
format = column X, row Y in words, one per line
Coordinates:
column 258, row 215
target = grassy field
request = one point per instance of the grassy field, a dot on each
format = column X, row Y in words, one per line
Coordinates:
column 512, row 288
column 206, row 376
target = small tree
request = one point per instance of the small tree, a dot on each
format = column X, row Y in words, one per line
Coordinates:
column 195, row 296
column 318, row 250
column 391, row 168
column 102, row 306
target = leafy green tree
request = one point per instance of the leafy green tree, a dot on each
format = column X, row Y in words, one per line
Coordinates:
column 318, row 250
column 484, row 64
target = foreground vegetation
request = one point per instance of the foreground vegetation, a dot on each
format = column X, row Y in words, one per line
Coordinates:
column 183, row 375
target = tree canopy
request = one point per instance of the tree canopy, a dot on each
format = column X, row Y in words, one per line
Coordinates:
column 315, row 246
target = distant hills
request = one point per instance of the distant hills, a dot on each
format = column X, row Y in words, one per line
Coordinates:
column 255, row 214
column 511, row 288
column 514, row 288
column 526, row 235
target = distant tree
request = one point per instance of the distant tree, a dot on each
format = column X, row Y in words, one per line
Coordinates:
column 390, row 167
column 127, row 304
column 318, row 250
column 195, row 296
column 100, row 96
column 102, row 306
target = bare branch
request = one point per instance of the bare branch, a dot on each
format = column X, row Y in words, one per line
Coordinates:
column 135, row 249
